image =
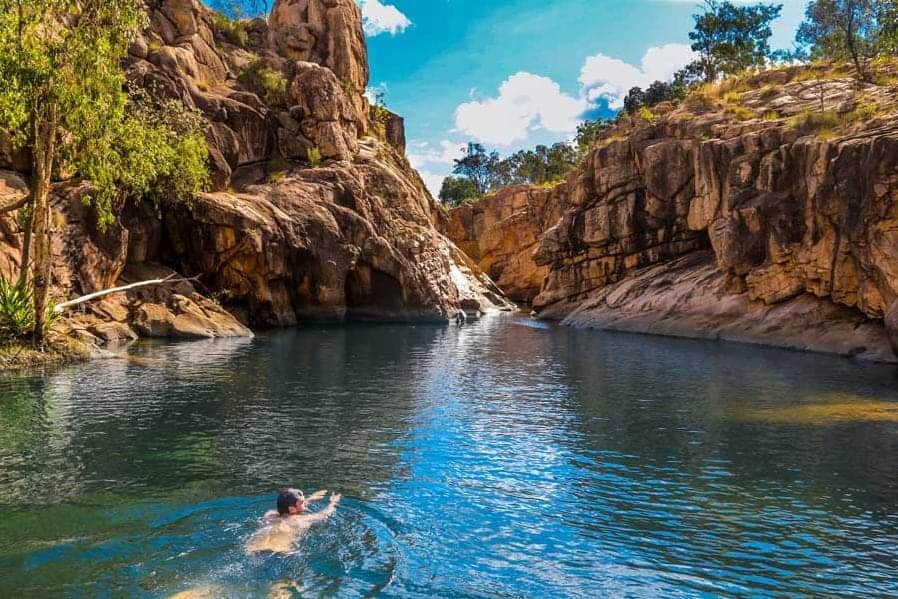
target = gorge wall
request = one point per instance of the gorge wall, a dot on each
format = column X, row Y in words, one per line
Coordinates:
column 280, row 239
column 736, row 215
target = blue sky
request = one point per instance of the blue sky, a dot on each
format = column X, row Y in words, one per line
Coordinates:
column 514, row 73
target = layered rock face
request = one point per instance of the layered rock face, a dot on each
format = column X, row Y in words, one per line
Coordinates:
column 501, row 232
column 280, row 239
column 736, row 218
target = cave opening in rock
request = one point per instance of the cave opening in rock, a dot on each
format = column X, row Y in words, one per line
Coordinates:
column 371, row 293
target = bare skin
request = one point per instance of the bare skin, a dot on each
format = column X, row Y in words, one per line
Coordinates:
column 279, row 533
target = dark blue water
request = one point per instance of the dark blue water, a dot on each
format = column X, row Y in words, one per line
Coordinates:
column 507, row 458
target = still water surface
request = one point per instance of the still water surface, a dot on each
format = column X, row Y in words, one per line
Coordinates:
column 507, row 458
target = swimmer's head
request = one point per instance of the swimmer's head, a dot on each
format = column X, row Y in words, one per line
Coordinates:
column 290, row 501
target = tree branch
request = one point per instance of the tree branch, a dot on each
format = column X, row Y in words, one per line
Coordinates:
column 16, row 204
column 59, row 308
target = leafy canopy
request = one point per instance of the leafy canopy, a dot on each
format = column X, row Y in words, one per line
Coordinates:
column 65, row 56
column 731, row 38
column 854, row 30
column 477, row 166
column 456, row 190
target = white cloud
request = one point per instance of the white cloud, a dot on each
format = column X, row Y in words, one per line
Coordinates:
column 433, row 181
column 525, row 103
column 422, row 153
column 380, row 18
column 611, row 78
column 434, row 163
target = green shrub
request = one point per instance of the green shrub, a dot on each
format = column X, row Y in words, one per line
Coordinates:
column 314, row 157
column 732, row 97
column 862, row 112
column 275, row 85
column 380, row 116
column 271, row 82
column 812, row 121
column 646, row 115
column 770, row 92
column 740, row 113
column 233, row 31
column 16, row 309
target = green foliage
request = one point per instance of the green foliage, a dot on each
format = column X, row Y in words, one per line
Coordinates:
column 862, row 112
column 314, row 155
column 158, row 151
column 456, row 191
column 732, row 97
column 812, row 121
column 75, row 68
column 271, row 83
column 541, row 165
column 657, row 92
column 275, row 85
column 770, row 92
column 852, row 30
column 16, row 309
column 740, row 113
column 380, row 116
column 230, row 30
column 731, row 38
column 478, row 166
column 126, row 145
column 587, row 134
column 646, row 115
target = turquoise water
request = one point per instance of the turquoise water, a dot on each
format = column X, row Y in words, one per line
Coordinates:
column 506, row 458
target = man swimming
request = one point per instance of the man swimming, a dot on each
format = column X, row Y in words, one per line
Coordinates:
column 283, row 526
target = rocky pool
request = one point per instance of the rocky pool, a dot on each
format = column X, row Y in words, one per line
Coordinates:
column 505, row 458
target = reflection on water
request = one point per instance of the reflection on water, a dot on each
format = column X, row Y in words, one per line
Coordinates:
column 826, row 410
column 506, row 457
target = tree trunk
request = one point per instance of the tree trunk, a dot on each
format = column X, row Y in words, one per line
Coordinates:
column 44, row 152
column 852, row 45
column 26, row 249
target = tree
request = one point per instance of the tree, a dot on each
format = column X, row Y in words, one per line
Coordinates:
column 478, row 166
column 456, row 190
column 62, row 95
column 634, row 100
column 854, row 30
column 587, row 134
column 730, row 38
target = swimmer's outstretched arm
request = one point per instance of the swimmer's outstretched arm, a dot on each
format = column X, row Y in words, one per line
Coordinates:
column 323, row 514
column 317, row 495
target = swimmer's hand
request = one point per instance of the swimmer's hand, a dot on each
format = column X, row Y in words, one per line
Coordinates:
column 317, row 495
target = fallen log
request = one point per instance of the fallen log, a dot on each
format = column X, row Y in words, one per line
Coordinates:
column 59, row 308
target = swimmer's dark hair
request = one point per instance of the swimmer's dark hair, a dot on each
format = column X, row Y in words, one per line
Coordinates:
column 287, row 498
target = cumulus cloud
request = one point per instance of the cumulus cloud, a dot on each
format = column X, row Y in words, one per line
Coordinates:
column 525, row 103
column 422, row 153
column 603, row 77
column 378, row 18
column 434, row 163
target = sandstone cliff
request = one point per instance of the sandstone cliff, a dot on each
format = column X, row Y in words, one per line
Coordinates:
column 752, row 213
column 280, row 239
